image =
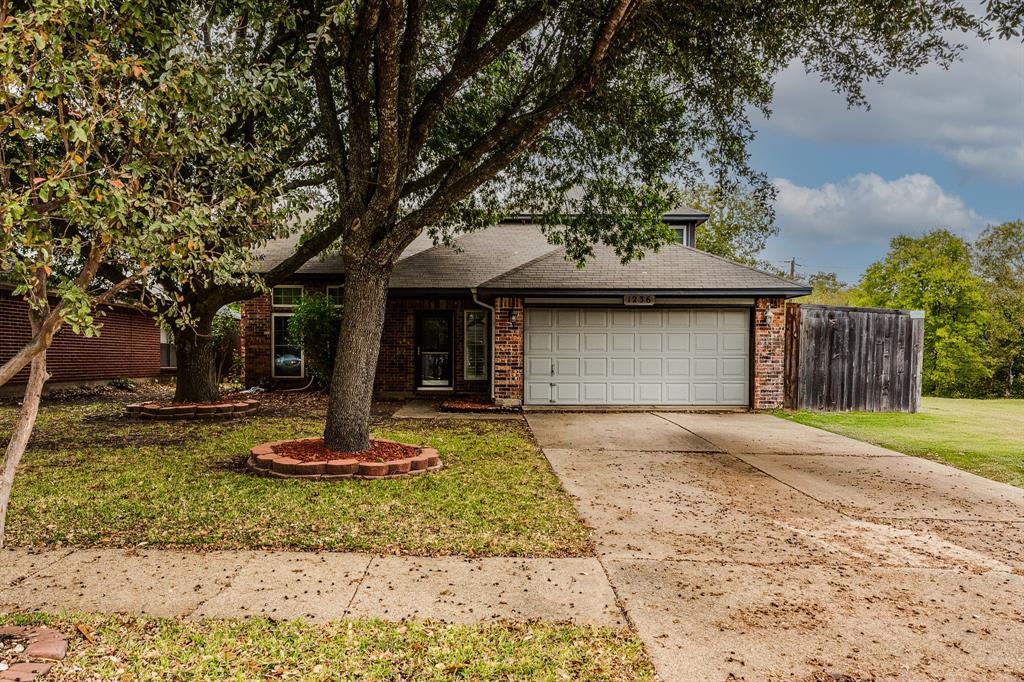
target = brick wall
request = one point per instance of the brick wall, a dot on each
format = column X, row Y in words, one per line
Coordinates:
column 396, row 362
column 769, row 353
column 508, row 351
column 128, row 345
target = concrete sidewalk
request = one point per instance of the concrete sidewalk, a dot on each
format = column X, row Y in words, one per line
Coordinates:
column 313, row 586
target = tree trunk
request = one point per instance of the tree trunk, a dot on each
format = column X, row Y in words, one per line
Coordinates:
column 196, row 355
column 355, row 365
column 22, row 432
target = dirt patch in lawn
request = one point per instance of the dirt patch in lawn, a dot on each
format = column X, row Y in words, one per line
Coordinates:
column 316, row 451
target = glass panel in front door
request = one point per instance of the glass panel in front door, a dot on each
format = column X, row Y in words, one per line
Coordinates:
column 435, row 344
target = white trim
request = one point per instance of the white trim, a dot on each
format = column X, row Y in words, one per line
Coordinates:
column 465, row 346
column 273, row 363
column 284, row 286
column 612, row 301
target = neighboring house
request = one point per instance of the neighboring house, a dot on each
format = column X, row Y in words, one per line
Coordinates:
column 505, row 316
column 128, row 345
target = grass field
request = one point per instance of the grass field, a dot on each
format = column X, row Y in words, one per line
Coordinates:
column 92, row 479
column 985, row 437
column 136, row 648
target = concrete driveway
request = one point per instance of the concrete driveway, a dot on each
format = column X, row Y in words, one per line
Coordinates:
column 747, row 547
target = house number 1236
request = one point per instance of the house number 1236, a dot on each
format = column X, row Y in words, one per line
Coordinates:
column 634, row 299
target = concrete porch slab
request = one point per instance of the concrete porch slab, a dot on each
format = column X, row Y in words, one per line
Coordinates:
column 895, row 487
column 426, row 409
column 482, row 590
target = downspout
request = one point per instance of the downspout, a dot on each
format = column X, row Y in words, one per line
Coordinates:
column 490, row 374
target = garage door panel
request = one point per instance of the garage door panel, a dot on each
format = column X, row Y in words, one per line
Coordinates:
column 567, row 367
column 623, row 343
column 595, row 367
column 622, row 393
column 539, row 342
column 539, row 317
column 705, row 342
column 732, row 342
column 650, row 342
column 693, row 356
column 733, row 367
column 649, row 367
column 539, row 367
column 622, row 367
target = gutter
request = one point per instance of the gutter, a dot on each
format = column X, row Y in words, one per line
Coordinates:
column 490, row 373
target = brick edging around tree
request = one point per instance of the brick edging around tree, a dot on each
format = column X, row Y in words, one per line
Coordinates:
column 263, row 460
column 218, row 410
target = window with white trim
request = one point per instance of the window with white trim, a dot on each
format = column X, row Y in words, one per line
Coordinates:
column 286, row 358
column 334, row 295
column 475, row 342
column 286, row 295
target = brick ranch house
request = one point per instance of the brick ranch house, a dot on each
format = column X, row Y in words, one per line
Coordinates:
column 505, row 316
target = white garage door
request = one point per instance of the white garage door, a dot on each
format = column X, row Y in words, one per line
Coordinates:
column 623, row 356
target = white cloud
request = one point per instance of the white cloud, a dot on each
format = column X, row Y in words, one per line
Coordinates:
column 973, row 113
column 868, row 209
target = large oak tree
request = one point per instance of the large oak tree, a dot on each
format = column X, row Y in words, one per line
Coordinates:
column 443, row 114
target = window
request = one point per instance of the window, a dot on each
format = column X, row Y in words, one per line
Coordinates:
column 475, row 356
column 286, row 295
column 287, row 358
column 167, row 352
column 334, row 294
column 685, row 235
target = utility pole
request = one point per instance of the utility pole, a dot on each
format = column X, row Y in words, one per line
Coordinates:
column 792, row 268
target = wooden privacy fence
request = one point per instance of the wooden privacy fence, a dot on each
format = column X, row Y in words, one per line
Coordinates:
column 840, row 359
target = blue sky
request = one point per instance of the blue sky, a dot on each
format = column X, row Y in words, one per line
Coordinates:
column 936, row 149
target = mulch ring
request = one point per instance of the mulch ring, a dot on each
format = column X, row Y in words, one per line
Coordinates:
column 310, row 458
column 222, row 409
column 470, row 406
column 28, row 653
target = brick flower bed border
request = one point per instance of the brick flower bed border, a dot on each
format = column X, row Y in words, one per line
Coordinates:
column 44, row 648
column 265, row 462
column 220, row 410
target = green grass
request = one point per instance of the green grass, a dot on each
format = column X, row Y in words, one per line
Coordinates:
column 90, row 479
column 135, row 648
column 985, row 437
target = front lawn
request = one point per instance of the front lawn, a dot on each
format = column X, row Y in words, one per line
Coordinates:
column 91, row 479
column 985, row 437
column 136, row 648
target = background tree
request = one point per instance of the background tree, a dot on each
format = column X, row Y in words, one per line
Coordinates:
column 934, row 273
column 827, row 289
column 314, row 327
column 999, row 262
column 104, row 111
column 739, row 224
column 447, row 115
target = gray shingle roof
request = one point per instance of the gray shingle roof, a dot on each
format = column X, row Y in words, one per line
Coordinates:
column 517, row 257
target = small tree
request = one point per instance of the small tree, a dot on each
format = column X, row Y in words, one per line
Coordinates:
column 104, row 116
column 314, row 327
column 827, row 289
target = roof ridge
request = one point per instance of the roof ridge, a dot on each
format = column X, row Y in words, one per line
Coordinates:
column 553, row 251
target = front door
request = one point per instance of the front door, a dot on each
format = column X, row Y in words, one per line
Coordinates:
column 434, row 349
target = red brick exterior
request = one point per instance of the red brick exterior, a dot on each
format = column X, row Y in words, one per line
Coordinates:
column 508, row 350
column 396, row 363
column 769, row 353
column 128, row 345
